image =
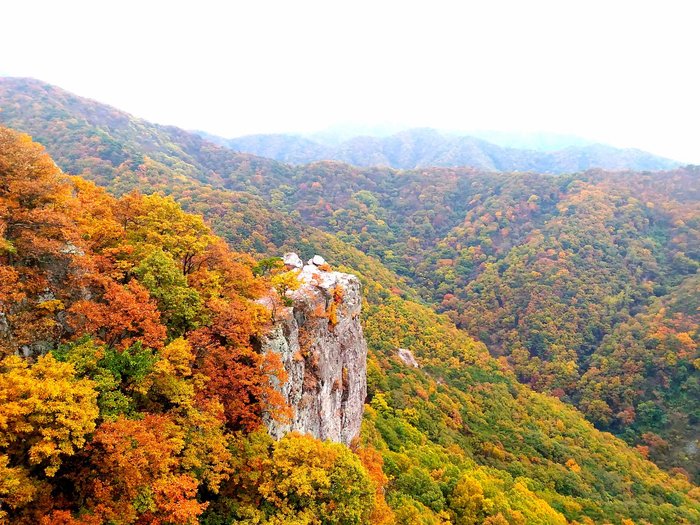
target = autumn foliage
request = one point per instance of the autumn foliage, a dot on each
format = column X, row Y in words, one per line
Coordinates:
column 583, row 286
column 129, row 366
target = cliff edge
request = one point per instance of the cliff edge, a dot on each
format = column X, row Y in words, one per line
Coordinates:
column 320, row 340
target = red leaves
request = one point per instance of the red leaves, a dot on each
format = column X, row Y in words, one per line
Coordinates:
column 34, row 196
column 238, row 375
column 36, row 241
column 71, row 265
column 125, row 315
column 133, row 474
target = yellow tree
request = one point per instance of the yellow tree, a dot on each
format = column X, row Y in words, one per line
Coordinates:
column 159, row 222
column 300, row 480
column 45, row 417
column 45, row 413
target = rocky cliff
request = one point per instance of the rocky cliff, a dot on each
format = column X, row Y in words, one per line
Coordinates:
column 320, row 341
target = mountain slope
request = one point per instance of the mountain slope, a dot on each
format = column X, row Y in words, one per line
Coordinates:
column 458, row 436
column 543, row 269
column 419, row 148
column 441, row 228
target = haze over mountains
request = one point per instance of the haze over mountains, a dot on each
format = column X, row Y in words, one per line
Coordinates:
column 425, row 147
column 535, row 140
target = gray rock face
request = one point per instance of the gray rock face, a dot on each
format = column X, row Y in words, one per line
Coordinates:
column 72, row 249
column 321, row 343
column 4, row 326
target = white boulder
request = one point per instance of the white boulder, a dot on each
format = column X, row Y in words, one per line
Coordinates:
column 292, row 260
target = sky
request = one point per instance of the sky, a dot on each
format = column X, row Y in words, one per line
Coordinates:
column 620, row 72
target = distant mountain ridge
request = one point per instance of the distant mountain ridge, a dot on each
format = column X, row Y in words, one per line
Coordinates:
column 425, row 147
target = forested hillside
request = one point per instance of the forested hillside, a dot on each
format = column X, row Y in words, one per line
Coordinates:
column 129, row 381
column 550, row 272
column 553, row 272
column 586, row 285
column 422, row 148
column 136, row 326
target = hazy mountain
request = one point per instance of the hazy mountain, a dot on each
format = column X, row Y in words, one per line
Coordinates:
column 538, row 141
column 339, row 133
column 425, row 147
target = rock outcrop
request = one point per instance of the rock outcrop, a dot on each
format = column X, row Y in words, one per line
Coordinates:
column 321, row 343
column 292, row 260
column 407, row 357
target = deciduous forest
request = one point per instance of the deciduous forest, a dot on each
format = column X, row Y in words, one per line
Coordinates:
column 553, row 320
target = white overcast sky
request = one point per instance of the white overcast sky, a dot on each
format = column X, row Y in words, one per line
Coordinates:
column 616, row 71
